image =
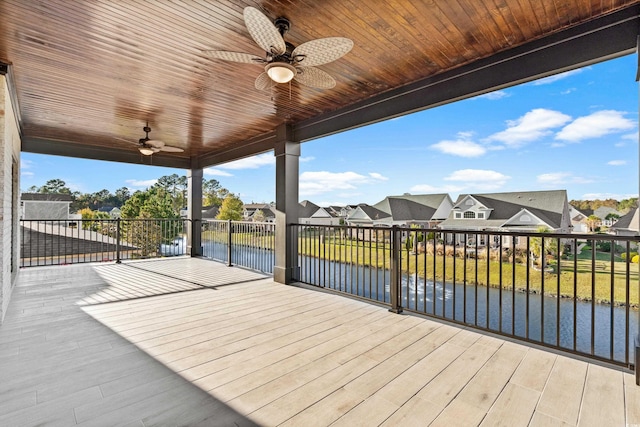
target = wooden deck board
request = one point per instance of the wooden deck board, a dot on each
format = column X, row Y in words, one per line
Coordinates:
column 193, row 342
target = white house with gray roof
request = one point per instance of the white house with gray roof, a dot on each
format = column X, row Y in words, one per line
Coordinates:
column 627, row 225
column 524, row 211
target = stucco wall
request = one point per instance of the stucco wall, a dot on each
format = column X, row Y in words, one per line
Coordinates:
column 9, row 189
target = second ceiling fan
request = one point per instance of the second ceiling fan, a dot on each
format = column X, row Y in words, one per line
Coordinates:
column 284, row 62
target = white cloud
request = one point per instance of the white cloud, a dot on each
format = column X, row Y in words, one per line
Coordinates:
column 568, row 91
column 605, row 196
column 254, row 162
column 306, row 159
column 312, row 183
column 141, row 183
column 561, row 178
column 617, row 162
column 534, row 125
column 216, row 172
column 376, row 175
column 426, row 188
column 26, row 173
column 479, row 178
column 555, row 78
column 493, row 96
column 460, row 147
column 595, row 125
column 26, row 164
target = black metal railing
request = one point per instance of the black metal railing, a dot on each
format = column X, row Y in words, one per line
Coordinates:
column 247, row 244
column 55, row 242
column 578, row 293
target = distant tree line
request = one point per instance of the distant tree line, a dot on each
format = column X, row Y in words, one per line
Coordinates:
column 622, row 206
column 164, row 199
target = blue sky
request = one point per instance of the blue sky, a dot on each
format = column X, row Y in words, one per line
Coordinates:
column 576, row 131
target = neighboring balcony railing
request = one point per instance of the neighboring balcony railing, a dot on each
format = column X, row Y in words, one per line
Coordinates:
column 246, row 244
column 578, row 293
column 53, row 242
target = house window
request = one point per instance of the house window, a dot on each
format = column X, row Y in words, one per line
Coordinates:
column 480, row 215
column 469, row 202
column 525, row 218
column 458, row 215
column 469, row 214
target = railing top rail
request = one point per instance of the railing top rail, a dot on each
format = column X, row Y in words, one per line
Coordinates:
column 551, row 234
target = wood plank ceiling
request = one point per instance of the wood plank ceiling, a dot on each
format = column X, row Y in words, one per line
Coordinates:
column 91, row 73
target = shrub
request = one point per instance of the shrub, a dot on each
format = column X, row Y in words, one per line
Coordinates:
column 635, row 259
column 631, row 255
column 605, row 246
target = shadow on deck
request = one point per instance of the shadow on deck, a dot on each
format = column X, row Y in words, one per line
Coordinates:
column 188, row 341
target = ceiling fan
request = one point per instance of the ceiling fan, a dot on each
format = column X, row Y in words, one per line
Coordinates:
column 284, row 62
column 149, row 147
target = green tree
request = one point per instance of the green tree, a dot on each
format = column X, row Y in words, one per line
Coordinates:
column 231, row 208
column 538, row 251
column 258, row 216
column 92, row 220
column 211, row 193
column 592, row 222
column 122, row 195
column 55, row 186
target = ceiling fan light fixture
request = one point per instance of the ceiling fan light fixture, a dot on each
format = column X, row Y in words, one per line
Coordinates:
column 146, row 151
column 280, row 72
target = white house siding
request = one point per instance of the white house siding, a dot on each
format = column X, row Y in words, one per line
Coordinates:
column 45, row 209
column 9, row 190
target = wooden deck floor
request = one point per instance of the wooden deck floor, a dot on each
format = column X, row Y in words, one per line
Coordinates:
column 192, row 342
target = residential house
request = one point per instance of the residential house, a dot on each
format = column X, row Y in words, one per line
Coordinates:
column 605, row 211
column 45, row 206
column 267, row 211
column 578, row 220
column 426, row 210
column 326, row 216
column 524, row 211
column 627, row 225
column 114, row 212
column 305, row 210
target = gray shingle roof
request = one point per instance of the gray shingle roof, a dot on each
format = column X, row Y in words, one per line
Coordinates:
column 409, row 207
column 628, row 221
column 44, row 197
column 307, row 209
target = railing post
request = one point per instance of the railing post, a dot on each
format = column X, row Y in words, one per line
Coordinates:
column 229, row 264
column 118, row 261
column 394, row 288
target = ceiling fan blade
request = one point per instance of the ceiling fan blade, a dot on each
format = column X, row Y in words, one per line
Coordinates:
column 314, row 77
column 170, row 149
column 321, row 51
column 245, row 58
column 263, row 32
column 263, row 82
column 154, row 143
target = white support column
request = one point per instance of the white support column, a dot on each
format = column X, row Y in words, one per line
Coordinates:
column 194, row 212
column 287, row 154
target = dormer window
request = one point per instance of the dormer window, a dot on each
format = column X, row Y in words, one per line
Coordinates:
column 480, row 215
column 469, row 202
column 469, row 214
column 458, row 215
